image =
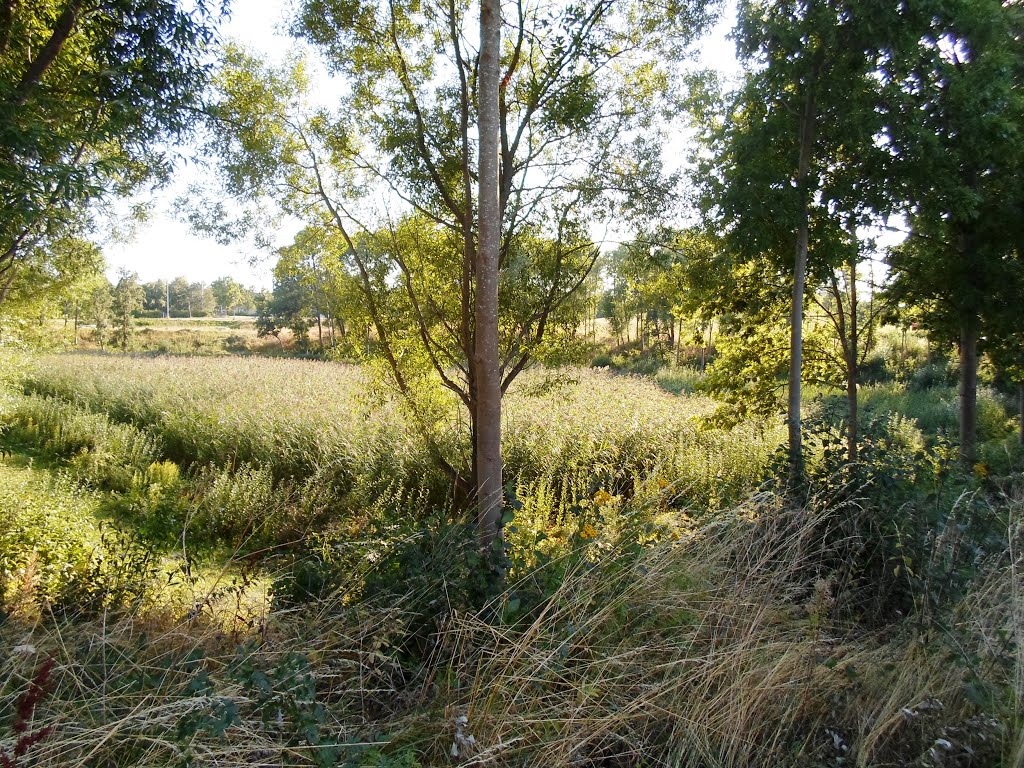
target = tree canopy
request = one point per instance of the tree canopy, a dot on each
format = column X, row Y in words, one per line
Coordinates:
column 89, row 93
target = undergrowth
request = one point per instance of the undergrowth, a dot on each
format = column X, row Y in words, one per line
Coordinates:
column 734, row 644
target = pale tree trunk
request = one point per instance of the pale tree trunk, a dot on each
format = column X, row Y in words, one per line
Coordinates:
column 711, row 339
column 968, row 391
column 703, row 350
column 852, row 370
column 489, row 484
column 796, row 339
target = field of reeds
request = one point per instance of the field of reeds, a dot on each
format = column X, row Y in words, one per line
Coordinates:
column 233, row 561
column 324, row 433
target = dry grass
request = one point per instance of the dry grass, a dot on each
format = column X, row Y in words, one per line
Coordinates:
column 725, row 649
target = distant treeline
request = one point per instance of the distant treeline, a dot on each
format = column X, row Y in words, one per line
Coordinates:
column 181, row 298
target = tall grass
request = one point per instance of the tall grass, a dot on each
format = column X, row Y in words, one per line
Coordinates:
column 318, row 427
column 936, row 410
column 728, row 648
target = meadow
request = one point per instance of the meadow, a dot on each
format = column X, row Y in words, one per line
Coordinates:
column 258, row 562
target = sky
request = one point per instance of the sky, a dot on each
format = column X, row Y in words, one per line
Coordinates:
column 163, row 247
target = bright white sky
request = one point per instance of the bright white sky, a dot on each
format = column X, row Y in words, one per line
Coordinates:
column 163, row 247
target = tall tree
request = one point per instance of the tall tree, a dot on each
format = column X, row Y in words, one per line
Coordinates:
column 179, row 299
column 795, row 166
column 316, row 260
column 487, row 361
column 227, row 294
column 126, row 300
column 579, row 91
column 960, row 151
column 99, row 310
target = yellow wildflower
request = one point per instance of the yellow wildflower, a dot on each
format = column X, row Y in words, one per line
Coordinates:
column 602, row 497
column 588, row 532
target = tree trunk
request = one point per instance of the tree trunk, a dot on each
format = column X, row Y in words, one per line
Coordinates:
column 320, row 332
column 1020, row 409
column 489, row 483
column 968, row 391
column 852, row 369
column 796, row 338
column 76, row 325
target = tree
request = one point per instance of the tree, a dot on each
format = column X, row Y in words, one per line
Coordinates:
column 201, row 301
column 795, row 167
column 960, row 154
column 288, row 306
column 126, row 300
column 78, row 298
column 853, row 327
column 316, row 261
column 227, row 294
column 487, row 363
column 99, row 310
column 89, row 90
column 578, row 97
column 53, row 270
column 155, row 296
column 179, row 293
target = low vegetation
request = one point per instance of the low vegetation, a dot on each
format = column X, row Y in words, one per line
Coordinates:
column 258, row 560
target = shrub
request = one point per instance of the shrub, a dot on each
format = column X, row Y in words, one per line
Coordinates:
column 932, row 375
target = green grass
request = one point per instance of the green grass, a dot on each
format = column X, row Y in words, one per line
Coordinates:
column 936, row 410
column 728, row 648
column 637, row 627
column 567, row 435
column 679, row 380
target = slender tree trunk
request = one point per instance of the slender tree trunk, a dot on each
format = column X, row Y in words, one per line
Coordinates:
column 796, row 339
column 968, row 390
column 76, row 326
column 488, row 374
column 852, row 368
column 1020, row 411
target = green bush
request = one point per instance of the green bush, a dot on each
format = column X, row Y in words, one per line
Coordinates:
column 932, row 376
